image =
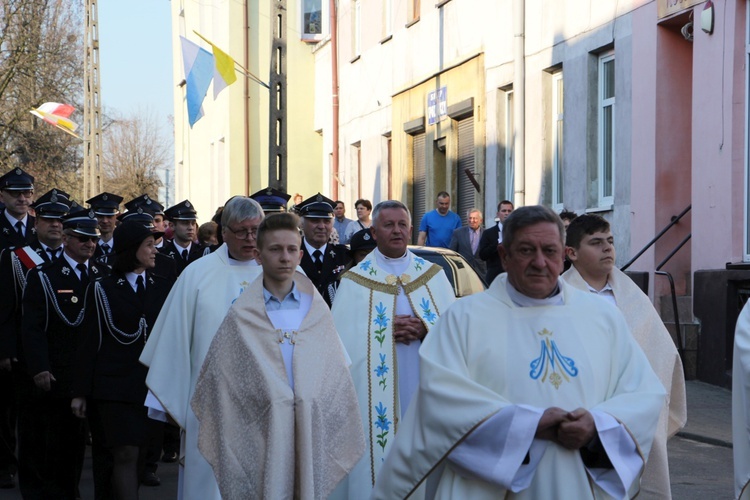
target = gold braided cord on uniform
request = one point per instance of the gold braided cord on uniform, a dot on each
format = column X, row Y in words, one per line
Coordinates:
column 422, row 280
column 392, row 287
column 369, row 386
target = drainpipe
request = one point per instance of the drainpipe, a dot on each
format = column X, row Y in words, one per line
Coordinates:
column 519, row 98
column 246, row 92
column 335, row 98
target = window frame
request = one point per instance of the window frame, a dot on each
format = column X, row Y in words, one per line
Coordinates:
column 605, row 199
column 557, row 128
column 324, row 24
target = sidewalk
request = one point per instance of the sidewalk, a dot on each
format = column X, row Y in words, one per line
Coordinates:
column 709, row 414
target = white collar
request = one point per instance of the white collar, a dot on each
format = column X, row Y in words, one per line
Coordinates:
column 311, row 249
column 393, row 265
column 521, row 300
column 13, row 220
column 131, row 277
column 72, row 262
column 180, row 248
column 110, row 242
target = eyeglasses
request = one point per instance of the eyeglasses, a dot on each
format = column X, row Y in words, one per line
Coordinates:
column 242, row 232
column 86, row 239
column 17, row 194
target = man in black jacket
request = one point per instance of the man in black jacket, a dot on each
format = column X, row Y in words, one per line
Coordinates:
column 491, row 239
column 51, row 438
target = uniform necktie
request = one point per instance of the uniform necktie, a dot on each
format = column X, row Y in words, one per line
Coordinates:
column 140, row 287
column 52, row 253
column 105, row 248
column 185, row 255
column 19, row 228
column 318, row 260
column 84, row 272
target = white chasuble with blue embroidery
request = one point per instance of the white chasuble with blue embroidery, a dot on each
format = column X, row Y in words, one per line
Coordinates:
column 365, row 306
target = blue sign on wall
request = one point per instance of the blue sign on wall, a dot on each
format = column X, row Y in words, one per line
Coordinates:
column 437, row 105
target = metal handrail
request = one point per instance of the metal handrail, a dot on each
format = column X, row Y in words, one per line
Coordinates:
column 673, row 221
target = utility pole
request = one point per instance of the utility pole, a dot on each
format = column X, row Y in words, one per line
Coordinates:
column 92, row 107
column 277, row 151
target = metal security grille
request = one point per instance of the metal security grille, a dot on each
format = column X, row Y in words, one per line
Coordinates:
column 465, row 191
column 419, row 186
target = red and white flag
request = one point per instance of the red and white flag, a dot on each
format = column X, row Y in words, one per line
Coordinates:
column 58, row 115
column 28, row 257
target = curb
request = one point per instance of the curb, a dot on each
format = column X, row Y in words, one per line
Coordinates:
column 704, row 439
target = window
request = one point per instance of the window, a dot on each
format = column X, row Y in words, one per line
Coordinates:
column 314, row 19
column 557, row 141
column 606, row 130
column 387, row 18
column 357, row 27
column 509, row 145
column 414, row 9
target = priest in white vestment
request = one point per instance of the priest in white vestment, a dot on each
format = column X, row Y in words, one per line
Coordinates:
column 741, row 405
column 180, row 339
column 530, row 390
column 384, row 307
column 590, row 248
column 276, row 404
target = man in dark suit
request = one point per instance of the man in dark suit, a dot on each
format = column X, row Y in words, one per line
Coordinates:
column 50, row 438
column 16, row 231
column 322, row 262
column 106, row 206
column 15, row 264
column 16, row 225
column 491, row 239
column 465, row 240
column 183, row 248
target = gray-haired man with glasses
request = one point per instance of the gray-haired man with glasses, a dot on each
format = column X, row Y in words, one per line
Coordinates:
column 180, row 339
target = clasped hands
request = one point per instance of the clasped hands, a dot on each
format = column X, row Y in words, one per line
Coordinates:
column 408, row 328
column 570, row 429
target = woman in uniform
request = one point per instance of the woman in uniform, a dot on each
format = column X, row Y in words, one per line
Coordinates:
column 111, row 384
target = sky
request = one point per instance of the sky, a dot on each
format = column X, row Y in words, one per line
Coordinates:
column 135, row 55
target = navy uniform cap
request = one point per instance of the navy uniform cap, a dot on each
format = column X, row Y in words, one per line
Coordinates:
column 271, row 200
column 130, row 234
column 17, row 180
column 149, row 205
column 316, row 207
column 182, row 211
column 105, row 204
column 82, row 221
column 138, row 215
column 52, row 205
column 362, row 240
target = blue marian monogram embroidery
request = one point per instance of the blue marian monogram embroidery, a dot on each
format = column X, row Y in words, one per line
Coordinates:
column 551, row 358
column 427, row 314
column 383, row 424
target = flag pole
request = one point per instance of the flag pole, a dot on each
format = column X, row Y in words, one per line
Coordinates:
column 242, row 70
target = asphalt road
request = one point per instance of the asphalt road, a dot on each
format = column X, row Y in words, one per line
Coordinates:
column 699, row 471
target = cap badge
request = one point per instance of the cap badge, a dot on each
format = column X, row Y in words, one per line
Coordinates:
column 91, row 214
column 140, row 210
column 53, row 198
column 105, row 197
column 269, row 191
column 187, row 204
column 18, row 171
column 319, row 197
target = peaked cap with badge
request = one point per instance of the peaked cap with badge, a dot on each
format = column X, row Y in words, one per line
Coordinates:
column 271, row 200
column 316, row 207
column 17, row 180
column 105, row 204
column 82, row 221
column 147, row 203
column 182, row 211
column 53, row 204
